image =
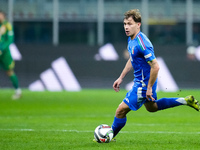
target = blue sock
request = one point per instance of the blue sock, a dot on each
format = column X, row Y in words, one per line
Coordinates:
column 118, row 124
column 165, row 103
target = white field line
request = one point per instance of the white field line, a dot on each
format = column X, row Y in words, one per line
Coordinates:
column 77, row 131
column 162, row 124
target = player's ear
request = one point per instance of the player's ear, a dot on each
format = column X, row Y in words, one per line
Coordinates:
column 139, row 24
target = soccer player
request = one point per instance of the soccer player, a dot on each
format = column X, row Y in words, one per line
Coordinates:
column 6, row 61
column 146, row 67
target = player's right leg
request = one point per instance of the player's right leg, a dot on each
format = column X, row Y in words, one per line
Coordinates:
column 132, row 101
column 120, row 118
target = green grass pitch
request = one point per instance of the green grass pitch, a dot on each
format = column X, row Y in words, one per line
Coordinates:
column 66, row 120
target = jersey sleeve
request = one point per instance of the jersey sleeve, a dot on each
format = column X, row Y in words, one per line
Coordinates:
column 9, row 37
column 146, row 49
column 149, row 54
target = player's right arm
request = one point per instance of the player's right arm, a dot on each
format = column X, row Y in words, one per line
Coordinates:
column 128, row 67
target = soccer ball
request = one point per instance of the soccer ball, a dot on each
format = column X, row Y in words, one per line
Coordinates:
column 103, row 133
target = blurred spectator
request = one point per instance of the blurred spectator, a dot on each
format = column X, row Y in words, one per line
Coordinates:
column 193, row 53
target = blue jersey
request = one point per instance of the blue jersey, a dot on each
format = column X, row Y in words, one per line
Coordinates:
column 141, row 51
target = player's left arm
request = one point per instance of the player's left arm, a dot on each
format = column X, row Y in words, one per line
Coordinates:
column 10, row 37
column 150, row 58
column 153, row 76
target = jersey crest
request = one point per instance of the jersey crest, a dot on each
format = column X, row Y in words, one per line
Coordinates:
column 2, row 29
column 132, row 51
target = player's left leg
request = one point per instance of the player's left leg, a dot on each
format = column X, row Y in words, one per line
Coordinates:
column 13, row 78
column 192, row 102
column 165, row 103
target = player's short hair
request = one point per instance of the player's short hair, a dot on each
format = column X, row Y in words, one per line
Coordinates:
column 135, row 14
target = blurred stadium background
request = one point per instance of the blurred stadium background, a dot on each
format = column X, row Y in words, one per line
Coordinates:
column 46, row 31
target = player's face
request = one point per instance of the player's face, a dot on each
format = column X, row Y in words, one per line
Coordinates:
column 131, row 27
column 1, row 17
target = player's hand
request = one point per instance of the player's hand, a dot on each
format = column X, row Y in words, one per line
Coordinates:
column 116, row 84
column 149, row 94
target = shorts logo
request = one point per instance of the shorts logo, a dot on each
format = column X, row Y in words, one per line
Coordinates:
column 126, row 99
